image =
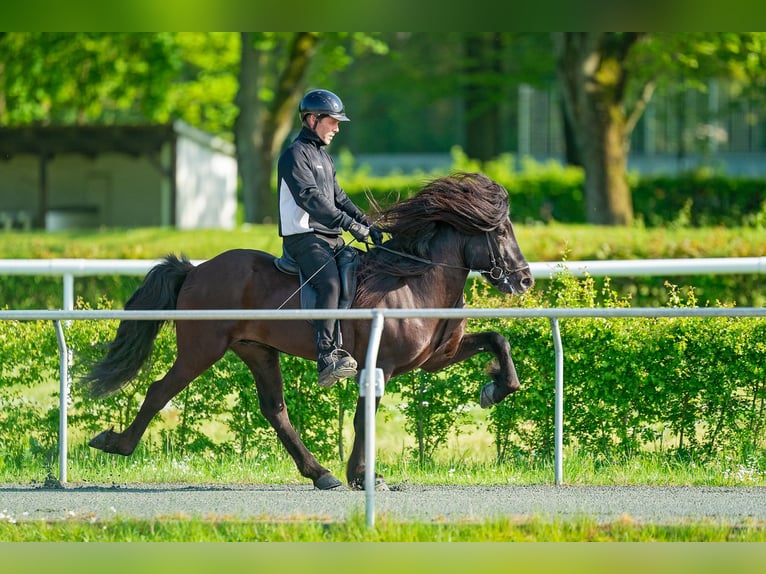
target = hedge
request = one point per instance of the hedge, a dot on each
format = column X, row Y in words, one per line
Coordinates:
column 691, row 386
column 552, row 192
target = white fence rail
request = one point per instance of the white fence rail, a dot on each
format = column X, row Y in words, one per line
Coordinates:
column 68, row 269
column 368, row 382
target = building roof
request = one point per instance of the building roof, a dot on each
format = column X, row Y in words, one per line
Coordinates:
column 93, row 140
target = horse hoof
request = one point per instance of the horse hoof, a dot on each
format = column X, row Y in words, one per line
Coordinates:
column 327, row 482
column 102, row 440
column 487, row 398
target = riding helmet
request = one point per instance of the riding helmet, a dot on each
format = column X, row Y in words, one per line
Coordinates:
column 323, row 103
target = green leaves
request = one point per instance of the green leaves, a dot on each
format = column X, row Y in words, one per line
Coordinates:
column 691, row 386
column 85, row 77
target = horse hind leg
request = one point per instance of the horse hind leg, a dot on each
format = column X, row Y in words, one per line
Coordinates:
column 159, row 393
column 263, row 363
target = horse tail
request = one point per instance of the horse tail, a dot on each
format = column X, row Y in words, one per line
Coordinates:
column 134, row 342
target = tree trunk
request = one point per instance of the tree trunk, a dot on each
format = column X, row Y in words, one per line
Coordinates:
column 571, row 148
column 604, row 154
column 482, row 101
column 246, row 131
column 593, row 77
column 262, row 127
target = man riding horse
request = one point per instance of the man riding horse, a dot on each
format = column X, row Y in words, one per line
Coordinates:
column 313, row 212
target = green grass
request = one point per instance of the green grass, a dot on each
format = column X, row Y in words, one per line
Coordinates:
column 467, row 460
column 507, row 529
column 539, row 242
column 151, row 463
column 139, row 243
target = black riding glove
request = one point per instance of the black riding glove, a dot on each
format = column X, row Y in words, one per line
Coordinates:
column 376, row 234
column 359, row 231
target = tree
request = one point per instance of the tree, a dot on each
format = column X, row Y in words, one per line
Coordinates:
column 85, row 77
column 593, row 80
column 494, row 64
column 608, row 78
column 483, row 94
column 203, row 93
column 264, row 122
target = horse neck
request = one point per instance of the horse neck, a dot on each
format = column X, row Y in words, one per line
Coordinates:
column 450, row 272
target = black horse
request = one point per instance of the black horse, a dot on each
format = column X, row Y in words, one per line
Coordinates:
column 455, row 224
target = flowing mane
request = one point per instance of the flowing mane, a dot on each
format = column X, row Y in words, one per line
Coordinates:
column 469, row 202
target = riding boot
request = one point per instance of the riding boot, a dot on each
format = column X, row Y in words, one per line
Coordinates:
column 333, row 363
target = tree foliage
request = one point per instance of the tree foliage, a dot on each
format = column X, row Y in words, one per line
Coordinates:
column 410, row 91
column 85, row 77
column 608, row 78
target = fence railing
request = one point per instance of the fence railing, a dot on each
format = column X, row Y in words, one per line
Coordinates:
column 68, row 269
column 368, row 381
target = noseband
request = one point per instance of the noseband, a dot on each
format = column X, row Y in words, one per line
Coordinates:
column 499, row 271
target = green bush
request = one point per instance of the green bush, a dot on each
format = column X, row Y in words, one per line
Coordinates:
column 685, row 385
column 700, row 199
column 28, row 424
column 552, row 192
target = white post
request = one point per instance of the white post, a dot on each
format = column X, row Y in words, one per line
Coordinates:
column 376, row 330
column 65, row 359
column 558, row 432
column 63, row 399
column 68, row 280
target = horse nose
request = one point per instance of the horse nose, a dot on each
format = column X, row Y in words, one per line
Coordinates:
column 527, row 281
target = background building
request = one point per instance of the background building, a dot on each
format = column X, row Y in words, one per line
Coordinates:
column 58, row 177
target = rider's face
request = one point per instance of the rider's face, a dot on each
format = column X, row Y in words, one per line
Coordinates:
column 326, row 128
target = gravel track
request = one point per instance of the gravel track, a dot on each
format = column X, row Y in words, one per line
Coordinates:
column 643, row 504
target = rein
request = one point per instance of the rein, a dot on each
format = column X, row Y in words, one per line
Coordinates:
column 496, row 272
column 421, row 259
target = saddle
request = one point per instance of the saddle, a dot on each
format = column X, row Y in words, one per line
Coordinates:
column 347, row 260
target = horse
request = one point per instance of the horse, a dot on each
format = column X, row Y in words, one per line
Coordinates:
column 454, row 225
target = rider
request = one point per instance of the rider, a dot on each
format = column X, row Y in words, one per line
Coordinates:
column 313, row 212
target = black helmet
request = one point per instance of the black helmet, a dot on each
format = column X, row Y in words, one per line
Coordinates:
column 323, row 103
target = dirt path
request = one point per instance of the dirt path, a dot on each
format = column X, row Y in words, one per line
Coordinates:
column 406, row 502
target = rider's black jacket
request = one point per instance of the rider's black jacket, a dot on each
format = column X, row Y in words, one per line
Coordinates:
column 310, row 199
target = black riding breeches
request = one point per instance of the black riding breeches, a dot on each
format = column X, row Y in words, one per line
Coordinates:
column 315, row 256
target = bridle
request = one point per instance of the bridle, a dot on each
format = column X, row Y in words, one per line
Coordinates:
column 497, row 271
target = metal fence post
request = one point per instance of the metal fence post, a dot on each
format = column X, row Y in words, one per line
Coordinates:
column 558, row 433
column 63, row 399
column 68, row 291
column 376, row 330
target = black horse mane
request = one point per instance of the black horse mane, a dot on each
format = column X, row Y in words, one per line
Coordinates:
column 471, row 203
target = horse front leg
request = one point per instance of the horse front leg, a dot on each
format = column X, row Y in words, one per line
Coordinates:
column 503, row 373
